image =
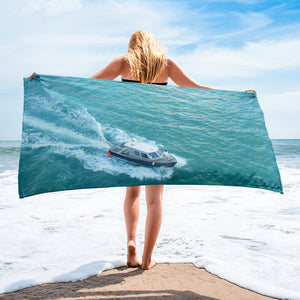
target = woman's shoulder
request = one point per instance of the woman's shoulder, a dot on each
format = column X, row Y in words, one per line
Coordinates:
column 170, row 63
column 171, row 66
column 119, row 62
column 119, row 59
column 122, row 61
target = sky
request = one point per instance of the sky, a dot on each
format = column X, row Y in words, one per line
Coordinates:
column 232, row 45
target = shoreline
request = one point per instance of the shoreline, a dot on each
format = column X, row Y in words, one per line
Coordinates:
column 170, row 281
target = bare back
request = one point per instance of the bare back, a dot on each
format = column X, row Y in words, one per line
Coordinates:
column 119, row 66
column 126, row 73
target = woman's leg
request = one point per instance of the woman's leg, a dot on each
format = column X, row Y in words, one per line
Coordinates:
column 131, row 212
column 154, row 195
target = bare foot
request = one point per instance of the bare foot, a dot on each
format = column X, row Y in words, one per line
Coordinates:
column 132, row 259
column 148, row 266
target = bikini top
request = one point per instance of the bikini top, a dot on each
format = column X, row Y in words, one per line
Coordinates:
column 159, row 83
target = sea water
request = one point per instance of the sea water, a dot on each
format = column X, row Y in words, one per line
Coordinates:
column 69, row 125
column 248, row 236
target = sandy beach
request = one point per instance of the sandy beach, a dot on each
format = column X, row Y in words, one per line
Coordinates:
column 167, row 281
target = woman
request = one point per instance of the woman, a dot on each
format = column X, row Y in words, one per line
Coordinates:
column 145, row 62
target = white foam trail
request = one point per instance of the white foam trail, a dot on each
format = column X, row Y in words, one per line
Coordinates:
column 180, row 161
column 67, row 135
column 101, row 132
column 70, row 143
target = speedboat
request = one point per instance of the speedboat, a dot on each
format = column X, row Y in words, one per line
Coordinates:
column 143, row 154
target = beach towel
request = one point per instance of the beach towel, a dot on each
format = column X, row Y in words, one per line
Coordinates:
column 81, row 133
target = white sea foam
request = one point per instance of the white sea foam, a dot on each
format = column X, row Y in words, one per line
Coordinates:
column 104, row 137
column 248, row 236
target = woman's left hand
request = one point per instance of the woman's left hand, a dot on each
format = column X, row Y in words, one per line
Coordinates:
column 32, row 75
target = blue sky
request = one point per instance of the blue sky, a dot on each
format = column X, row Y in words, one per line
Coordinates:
column 236, row 45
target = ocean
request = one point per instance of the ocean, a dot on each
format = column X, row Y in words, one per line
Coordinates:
column 248, row 236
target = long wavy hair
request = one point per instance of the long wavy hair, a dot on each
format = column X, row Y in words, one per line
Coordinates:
column 145, row 57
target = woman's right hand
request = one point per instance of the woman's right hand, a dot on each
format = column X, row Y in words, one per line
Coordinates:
column 251, row 91
column 31, row 77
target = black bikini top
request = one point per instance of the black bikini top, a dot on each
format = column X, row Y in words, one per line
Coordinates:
column 159, row 83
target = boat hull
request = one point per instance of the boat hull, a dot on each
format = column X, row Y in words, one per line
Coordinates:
column 144, row 162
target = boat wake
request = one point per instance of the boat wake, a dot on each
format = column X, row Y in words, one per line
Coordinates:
column 86, row 140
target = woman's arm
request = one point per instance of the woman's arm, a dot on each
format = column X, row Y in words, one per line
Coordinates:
column 112, row 70
column 180, row 78
column 32, row 75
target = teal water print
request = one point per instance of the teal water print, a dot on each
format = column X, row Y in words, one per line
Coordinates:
column 83, row 133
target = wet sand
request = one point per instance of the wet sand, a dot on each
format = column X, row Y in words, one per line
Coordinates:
column 164, row 281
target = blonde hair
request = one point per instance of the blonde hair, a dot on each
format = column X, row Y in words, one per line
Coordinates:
column 145, row 57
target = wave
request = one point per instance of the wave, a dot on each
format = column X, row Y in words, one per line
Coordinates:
column 83, row 138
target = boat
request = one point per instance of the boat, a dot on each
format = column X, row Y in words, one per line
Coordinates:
column 143, row 154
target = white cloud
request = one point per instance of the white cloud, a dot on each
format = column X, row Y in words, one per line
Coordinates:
column 251, row 20
column 282, row 113
column 251, row 60
column 285, row 101
column 50, row 7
